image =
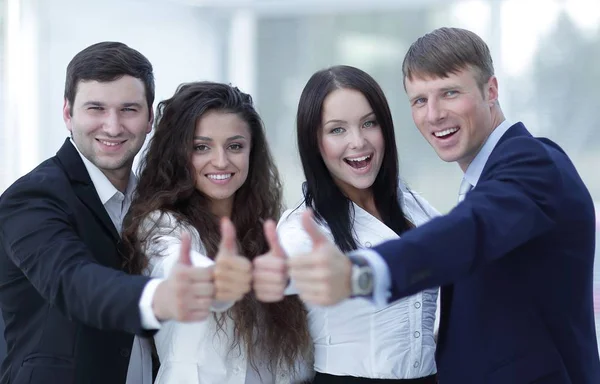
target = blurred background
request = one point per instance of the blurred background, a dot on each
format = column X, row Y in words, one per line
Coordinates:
column 546, row 54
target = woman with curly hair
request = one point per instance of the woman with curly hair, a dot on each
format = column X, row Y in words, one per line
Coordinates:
column 209, row 160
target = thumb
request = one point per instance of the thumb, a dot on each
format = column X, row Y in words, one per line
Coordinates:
column 228, row 245
column 311, row 227
column 184, row 252
column 273, row 239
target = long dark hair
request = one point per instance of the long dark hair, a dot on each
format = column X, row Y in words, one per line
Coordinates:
column 167, row 184
column 321, row 193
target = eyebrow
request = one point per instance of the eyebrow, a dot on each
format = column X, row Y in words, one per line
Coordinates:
column 123, row 105
column 449, row 88
column 205, row 138
column 344, row 121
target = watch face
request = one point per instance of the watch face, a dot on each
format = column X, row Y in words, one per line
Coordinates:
column 364, row 281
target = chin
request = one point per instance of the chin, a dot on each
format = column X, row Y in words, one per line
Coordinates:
column 363, row 185
column 447, row 156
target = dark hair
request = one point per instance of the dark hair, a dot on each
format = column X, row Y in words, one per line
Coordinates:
column 167, row 184
column 320, row 191
column 109, row 61
column 445, row 51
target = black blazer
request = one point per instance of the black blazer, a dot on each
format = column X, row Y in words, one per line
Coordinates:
column 516, row 258
column 2, row 342
column 70, row 311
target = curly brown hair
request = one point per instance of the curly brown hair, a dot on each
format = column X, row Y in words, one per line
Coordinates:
column 276, row 331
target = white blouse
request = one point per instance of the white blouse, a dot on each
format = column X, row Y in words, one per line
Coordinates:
column 195, row 353
column 353, row 338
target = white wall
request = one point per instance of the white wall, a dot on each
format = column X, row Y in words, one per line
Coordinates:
column 182, row 42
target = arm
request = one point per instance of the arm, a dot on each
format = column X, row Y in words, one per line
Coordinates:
column 162, row 233
column 517, row 202
column 294, row 240
column 38, row 235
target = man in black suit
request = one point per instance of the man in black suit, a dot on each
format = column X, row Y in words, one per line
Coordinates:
column 2, row 342
column 69, row 306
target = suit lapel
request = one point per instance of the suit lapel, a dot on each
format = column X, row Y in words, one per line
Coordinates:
column 447, row 291
column 83, row 186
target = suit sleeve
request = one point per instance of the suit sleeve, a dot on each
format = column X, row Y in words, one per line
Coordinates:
column 38, row 235
column 517, row 201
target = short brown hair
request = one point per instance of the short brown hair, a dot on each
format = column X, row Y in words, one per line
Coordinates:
column 109, row 61
column 445, row 51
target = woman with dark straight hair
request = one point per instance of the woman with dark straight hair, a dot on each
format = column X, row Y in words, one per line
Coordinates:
column 209, row 160
column 348, row 152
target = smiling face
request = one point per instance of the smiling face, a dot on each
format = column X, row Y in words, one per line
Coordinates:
column 453, row 113
column 351, row 141
column 109, row 123
column 221, row 156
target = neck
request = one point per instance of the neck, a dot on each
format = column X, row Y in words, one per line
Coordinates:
column 118, row 178
column 222, row 208
column 364, row 198
column 497, row 117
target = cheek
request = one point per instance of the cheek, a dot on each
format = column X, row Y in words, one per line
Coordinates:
column 330, row 150
column 418, row 116
column 198, row 163
column 242, row 163
column 140, row 127
column 377, row 141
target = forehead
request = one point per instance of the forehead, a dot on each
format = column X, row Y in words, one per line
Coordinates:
column 420, row 83
column 221, row 124
column 126, row 89
column 345, row 104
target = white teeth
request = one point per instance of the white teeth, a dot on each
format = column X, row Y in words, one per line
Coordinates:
column 445, row 132
column 220, row 177
column 108, row 143
column 359, row 158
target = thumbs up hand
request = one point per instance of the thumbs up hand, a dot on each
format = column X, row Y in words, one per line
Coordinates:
column 186, row 295
column 233, row 273
column 323, row 276
column 270, row 270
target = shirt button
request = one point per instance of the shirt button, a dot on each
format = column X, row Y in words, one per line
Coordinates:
column 368, row 244
column 417, row 334
column 124, row 352
column 236, row 370
column 417, row 305
column 416, row 364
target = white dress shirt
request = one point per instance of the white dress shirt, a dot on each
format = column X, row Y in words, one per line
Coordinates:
column 117, row 204
column 381, row 272
column 354, row 338
column 195, row 353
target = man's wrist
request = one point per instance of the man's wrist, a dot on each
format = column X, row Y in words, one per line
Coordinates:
column 361, row 279
column 147, row 304
column 157, row 307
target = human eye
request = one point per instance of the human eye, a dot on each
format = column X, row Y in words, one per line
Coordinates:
column 201, row 148
column 450, row 93
column 419, row 101
column 337, row 130
column 129, row 109
column 236, row 147
column 370, row 124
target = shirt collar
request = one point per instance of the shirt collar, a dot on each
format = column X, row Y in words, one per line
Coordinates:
column 475, row 169
column 105, row 189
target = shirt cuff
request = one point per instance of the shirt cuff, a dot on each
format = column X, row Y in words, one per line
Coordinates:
column 149, row 321
column 381, row 275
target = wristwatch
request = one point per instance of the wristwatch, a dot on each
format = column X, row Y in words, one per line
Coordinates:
column 362, row 278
